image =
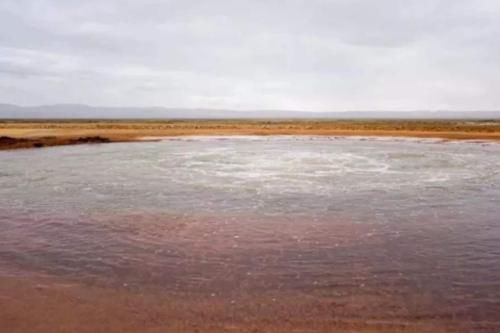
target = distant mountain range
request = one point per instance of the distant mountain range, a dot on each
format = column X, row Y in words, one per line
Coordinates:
column 79, row 111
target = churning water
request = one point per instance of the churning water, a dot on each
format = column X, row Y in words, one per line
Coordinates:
column 395, row 218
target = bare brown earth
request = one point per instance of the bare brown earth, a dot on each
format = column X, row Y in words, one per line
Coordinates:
column 16, row 134
column 45, row 305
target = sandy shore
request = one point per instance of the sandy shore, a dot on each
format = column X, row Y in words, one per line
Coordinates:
column 46, row 305
column 37, row 134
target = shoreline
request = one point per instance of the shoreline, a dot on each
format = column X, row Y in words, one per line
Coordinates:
column 38, row 134
column 46, row 304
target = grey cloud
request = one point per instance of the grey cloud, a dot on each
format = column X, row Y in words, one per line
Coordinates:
column 295, row 54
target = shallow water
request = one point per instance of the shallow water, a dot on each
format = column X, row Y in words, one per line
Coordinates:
column 411, row 225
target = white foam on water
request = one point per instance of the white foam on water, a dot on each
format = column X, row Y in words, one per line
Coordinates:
column 231, row 172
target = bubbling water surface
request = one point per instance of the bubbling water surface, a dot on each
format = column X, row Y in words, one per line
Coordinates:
column 392, row 218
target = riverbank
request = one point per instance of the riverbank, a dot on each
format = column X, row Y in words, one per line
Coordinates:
column 17, row 134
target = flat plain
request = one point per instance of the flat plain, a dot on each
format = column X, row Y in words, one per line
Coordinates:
column 16, row 134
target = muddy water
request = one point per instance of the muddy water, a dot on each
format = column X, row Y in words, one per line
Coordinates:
column 390, row 229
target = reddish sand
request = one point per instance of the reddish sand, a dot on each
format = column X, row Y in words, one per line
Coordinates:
column 45, row 305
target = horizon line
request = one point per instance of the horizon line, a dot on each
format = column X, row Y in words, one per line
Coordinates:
column 430, row 110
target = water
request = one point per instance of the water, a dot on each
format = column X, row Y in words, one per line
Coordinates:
column 411, row 225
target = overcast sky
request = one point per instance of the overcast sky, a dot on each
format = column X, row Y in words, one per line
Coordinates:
column 321, row 55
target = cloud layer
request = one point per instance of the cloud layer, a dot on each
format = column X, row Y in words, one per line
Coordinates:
column 264, row 54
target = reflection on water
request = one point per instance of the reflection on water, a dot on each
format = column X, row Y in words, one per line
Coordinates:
column 412, row 226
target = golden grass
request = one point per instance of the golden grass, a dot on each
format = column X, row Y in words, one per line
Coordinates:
column 50, row 133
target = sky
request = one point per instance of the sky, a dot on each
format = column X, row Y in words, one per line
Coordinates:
column 317, row 55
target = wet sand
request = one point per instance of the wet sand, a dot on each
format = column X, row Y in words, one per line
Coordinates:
column 49, row 305
column 36, row 134
column 209, row 289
